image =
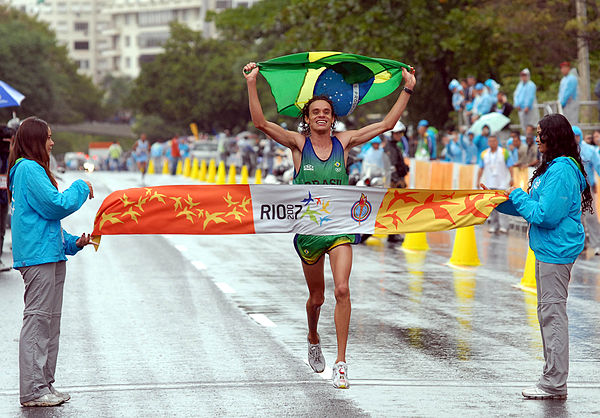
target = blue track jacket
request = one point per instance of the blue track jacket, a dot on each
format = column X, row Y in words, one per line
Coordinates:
column 553, row 209
column 37, row 208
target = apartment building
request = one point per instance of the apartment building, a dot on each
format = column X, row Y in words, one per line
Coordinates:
column 79, row 25
column 118, row 36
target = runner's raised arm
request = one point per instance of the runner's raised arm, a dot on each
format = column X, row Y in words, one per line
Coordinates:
column 353, row 138
column 290, row 139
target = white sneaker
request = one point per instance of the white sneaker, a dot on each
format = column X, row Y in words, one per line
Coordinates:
column 48, row 399
column 503, row 231
column 340, row 376
column 316, row 360
column 537, row 393
column 492, row 230
column 63, row 395
column 597, row 251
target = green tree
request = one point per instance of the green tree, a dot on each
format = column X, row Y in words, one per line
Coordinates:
column 194, row 80
column 32, row 62
column 443, row 39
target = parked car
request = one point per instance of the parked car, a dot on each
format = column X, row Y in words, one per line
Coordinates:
column 204, row 150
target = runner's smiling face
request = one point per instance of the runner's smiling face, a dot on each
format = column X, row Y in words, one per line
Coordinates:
column 320, row 117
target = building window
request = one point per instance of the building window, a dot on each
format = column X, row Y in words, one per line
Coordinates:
column 62, row 26
column 159, row 18
column 152, row 39
column 61, row 7
column 82, row 45
column 242, row 4
column 127, row 40
column 81, row 26
column 83, row 64
column 127, row 62
column 223, row 4
column 146, row 58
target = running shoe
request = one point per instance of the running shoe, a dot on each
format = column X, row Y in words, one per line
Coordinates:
column 340, row 375
column 48, row 399
column 63, row 395
column 537, row 393
column 316, row 360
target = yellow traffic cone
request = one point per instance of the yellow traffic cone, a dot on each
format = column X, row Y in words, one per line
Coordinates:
column 415, row 241
column 221, row 173
column 179, row 169
column 464, row 252
column 187, row 167
column 244, row 175
column 165, row 169
column 194, row 172
column 258, row 176
column 202, row 172
column 231, row 176
column 150, row 169
column 528, row 279
column 212, row 172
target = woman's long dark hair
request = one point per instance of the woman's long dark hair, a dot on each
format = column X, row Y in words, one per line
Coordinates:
column 30, row 142
column 557, row 134
column 305, row 129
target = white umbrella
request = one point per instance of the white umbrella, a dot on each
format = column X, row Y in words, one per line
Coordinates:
column 495, row 121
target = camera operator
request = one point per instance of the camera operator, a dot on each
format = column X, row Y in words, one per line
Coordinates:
column 6, row 135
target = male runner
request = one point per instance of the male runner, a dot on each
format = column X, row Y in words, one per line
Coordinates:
column 317, row 148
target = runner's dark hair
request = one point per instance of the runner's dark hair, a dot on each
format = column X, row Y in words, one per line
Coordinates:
column 305, row 128
column 557, row 134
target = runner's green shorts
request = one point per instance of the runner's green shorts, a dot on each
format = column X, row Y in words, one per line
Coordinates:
column 311, row 248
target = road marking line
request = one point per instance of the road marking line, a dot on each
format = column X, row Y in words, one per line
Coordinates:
column 199, row 265
column 225, row 288
column 181, row 248
column 262, row 320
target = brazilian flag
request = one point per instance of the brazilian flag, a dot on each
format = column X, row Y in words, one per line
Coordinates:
column 348, row 80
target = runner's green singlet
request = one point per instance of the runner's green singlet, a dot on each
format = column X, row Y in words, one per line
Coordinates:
column 314, row 170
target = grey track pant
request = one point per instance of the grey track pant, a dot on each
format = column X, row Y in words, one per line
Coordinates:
column 38, row 344
column 552, row 290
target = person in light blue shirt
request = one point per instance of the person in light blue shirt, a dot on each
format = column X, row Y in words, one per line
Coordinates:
column 483, row 102
column 470, row 148
column 454, row 151
column 567, row 92
column 481, row 141
column 591, row 165
column 524, row 100
column 458, row 97
column 558, row 194
column 40, row 246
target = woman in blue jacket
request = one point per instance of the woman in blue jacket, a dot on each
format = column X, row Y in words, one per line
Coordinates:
column 558, row 194
column 39, row 249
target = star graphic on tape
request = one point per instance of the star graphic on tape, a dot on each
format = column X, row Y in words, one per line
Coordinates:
column 110, row 217
column 436, row 206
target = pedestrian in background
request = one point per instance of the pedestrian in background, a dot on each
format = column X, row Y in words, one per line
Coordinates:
column 494, row 172
column 525, row 100
column 6, row 135
column 567, row 92
column 591, row 164
column 558, row 194
column 40, row 246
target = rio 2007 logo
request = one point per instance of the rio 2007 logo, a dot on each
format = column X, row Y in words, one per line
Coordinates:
column 361, row 209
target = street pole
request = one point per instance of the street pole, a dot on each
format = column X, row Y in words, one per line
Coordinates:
column 583, row 57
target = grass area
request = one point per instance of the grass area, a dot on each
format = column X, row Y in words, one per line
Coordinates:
column 74, row 142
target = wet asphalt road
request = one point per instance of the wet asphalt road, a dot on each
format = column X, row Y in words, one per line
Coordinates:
column 216, row 326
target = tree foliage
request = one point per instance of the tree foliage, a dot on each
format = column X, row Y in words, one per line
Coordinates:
column 199, row 80
column 32, row 62
column 194, row 80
